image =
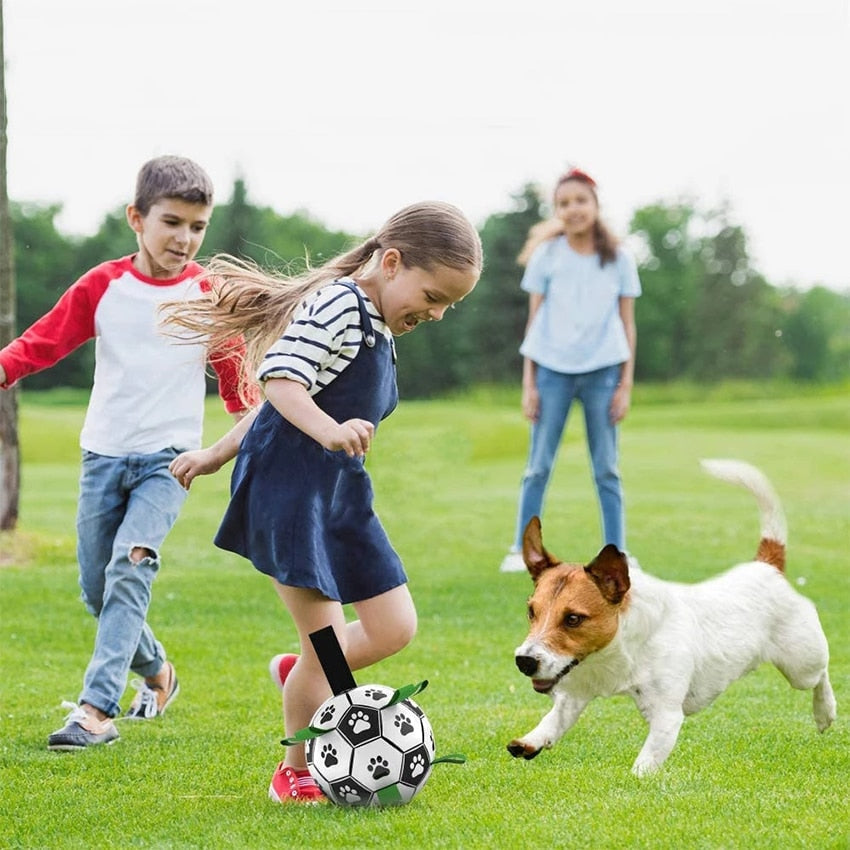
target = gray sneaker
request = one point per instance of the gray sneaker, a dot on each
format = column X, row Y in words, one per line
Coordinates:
column 82, row 730
column 152, row 700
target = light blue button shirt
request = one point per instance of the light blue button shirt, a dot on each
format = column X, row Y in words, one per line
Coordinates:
column 578, row 326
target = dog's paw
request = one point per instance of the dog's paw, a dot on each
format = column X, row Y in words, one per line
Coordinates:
column 823, row 705
column 517, row 749
column 645, row 767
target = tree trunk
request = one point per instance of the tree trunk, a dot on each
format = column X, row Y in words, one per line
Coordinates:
column 10, row 472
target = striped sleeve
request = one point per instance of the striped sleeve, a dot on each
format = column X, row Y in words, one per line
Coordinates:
column 322, row 339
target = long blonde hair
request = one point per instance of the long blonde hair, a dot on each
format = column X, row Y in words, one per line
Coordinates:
column 604, row 240
column 248, row 306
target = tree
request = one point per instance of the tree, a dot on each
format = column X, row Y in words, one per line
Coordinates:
column 669, row 275
column 10, row 462
column 817, row 334
column 705, row 313
column 498, row 308
column 736, row 315
column 46, row 264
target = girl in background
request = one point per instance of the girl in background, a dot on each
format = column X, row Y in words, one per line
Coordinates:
column 579, row 344
column 321, row 347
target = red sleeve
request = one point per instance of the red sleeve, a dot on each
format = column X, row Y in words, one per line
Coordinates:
column 226, row 364
column 58, row 332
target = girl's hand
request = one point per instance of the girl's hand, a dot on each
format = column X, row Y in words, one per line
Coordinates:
column 530, row 403
column 620, row 403
column 354, row 437
column 188, row 465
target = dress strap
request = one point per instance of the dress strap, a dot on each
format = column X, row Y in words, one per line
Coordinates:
column 365, row 318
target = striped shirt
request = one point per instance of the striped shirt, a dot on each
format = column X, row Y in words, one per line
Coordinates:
column 322, row 339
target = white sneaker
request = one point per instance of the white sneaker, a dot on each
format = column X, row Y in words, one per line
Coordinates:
column 513, row 563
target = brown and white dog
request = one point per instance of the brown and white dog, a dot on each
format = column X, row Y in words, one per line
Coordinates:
column 608, row 628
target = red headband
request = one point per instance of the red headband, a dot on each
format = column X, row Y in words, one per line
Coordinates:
column 578, row 174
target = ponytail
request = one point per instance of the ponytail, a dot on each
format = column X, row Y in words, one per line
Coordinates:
column 245, row 303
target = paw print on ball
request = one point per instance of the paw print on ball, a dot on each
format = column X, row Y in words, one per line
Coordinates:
column 359, row 724
column 375, row 694
column 379, row 767
column 350, row 794
column 403, row 723
column 417, row 765
column 327, row 715
column 330, row 755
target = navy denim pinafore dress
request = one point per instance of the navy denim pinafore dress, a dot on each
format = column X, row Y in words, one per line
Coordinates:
column 303, row 514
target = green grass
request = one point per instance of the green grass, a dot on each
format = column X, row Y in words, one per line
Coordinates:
column 749, row 772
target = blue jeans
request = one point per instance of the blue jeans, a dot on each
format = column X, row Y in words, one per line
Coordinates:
column 557, row 392
column 125, row 503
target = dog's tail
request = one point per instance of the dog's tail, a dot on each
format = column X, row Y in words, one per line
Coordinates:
column 774, row 531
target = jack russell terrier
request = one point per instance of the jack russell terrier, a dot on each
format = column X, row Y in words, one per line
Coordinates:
column 608, row 628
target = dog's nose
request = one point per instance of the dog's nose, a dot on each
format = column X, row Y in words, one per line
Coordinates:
column 527, row 664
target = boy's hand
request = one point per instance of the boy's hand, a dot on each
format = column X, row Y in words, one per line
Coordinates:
column 188, row 465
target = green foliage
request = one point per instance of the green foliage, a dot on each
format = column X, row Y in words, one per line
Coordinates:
column 817, row 334
column 283, row 243
column 705, row 314
column 46, row 263
column 499, row 307
column 748, row 772
column 669, row 285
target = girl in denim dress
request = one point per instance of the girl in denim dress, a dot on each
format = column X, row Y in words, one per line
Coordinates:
column 321, row 347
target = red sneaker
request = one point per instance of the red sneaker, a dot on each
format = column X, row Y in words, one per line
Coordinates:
column 294, row 786
column 280, row 667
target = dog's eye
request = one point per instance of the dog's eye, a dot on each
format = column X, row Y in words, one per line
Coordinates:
column 530, row 612
column 571, row 621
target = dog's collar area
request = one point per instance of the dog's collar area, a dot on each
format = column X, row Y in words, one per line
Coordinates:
column 543, row 686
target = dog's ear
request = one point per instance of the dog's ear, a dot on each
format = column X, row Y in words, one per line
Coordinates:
column 536, row 558
column 610, row 571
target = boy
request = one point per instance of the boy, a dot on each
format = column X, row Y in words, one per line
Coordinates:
column 146, row 406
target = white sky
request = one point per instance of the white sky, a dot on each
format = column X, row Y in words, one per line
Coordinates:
column 350, row 110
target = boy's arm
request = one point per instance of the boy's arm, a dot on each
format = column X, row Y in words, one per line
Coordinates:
column 226, row 363
column 66, row 326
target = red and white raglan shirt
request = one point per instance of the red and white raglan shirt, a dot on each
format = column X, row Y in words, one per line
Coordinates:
column 148, row 390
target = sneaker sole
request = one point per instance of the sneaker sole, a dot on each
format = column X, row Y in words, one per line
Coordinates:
column 74, row 748
column 172, row 696
column 295, row 801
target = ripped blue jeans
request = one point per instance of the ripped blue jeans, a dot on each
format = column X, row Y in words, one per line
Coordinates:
column 127, row 505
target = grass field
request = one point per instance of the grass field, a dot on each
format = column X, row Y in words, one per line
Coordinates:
column 749, row 772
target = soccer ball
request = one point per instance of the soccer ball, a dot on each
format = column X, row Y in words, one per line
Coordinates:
column 369, row 750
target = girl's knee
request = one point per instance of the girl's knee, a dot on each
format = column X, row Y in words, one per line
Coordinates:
column 404, row 632
column 395, row 632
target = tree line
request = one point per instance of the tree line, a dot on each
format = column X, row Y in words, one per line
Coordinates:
column 706, row 314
